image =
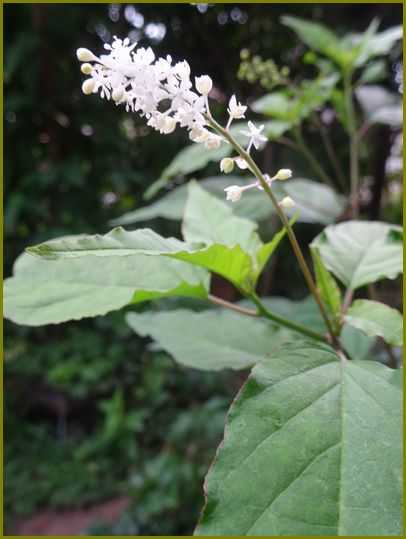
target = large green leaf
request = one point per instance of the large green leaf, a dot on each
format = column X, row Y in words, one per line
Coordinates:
column 361, row 252
column 218, row 241
column 312, row 446
column 317, row 203
column 67, row 284
column 209, row 340
column 375, row 318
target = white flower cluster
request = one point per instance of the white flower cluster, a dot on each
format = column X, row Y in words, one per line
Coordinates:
column 153, row 87
column 163, row 93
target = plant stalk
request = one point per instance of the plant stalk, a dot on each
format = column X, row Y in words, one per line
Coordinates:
column 263, row 311
column 287, row 323
column 354, row 169
column 292, row 237
column 325, row 178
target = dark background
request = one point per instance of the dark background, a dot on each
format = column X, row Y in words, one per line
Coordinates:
column 92, row 414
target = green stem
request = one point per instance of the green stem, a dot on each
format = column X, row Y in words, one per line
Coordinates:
column 331, row 154
column 289, row 230
column 354, row 170
column 287, row 323
column 263, row 311
column 325, row 178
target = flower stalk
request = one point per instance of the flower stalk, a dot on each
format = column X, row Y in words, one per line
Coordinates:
column 292, row 237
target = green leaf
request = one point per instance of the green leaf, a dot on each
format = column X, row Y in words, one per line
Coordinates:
column 69, row 285
column 375, row 318
column 219, row 242
column 312, row 446
column 209, row 221
column 316, row 202
column 380, row 106
column 328, row 288
column 290, row 109
column 361, row 252
column 371, row 44
column 209, row 340
column 319, row 38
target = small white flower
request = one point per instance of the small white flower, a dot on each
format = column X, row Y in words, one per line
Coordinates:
column 169, row 125
column 84, row 55
column 227, row 165
column 117, row 94
column 241, row 163
column 256, row 139
column 233, row 193
column 283, row 174
column 236, row 110
column 88, row 86
column 213, row 142
column 287, row 203
column 203, row 84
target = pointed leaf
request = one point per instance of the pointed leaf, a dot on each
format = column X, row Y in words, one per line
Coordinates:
column 312, row 446
column 361, row 252
column 376, row 319
column 69, row 285
column 328, row 288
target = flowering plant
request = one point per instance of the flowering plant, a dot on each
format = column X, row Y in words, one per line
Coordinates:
column 312, row 441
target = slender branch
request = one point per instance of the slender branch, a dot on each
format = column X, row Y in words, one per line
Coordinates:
column 263, row 311
column 347, row 301
column 354, row 169
column 331, row 153
column 287, row 323
column 302, row 146
column 232, row 306
column 292, row 237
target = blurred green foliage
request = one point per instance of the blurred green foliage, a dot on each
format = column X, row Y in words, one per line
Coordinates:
column 90, row 411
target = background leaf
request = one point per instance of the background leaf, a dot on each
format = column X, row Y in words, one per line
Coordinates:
column 209, row 340
column 375, row 318
column 53, row 291
column 361, row 252
column 317, row 203
column 303, row 463
column 328, row 288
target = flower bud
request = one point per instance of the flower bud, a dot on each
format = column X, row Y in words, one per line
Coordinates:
column 203, row 84
column 86, row 69
column 287, row 203
column 213, row 142
column 88, row 86
column 227, row 165
column 84, row 55
column 117, row 94
column 283, row 174
column 233, row 193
